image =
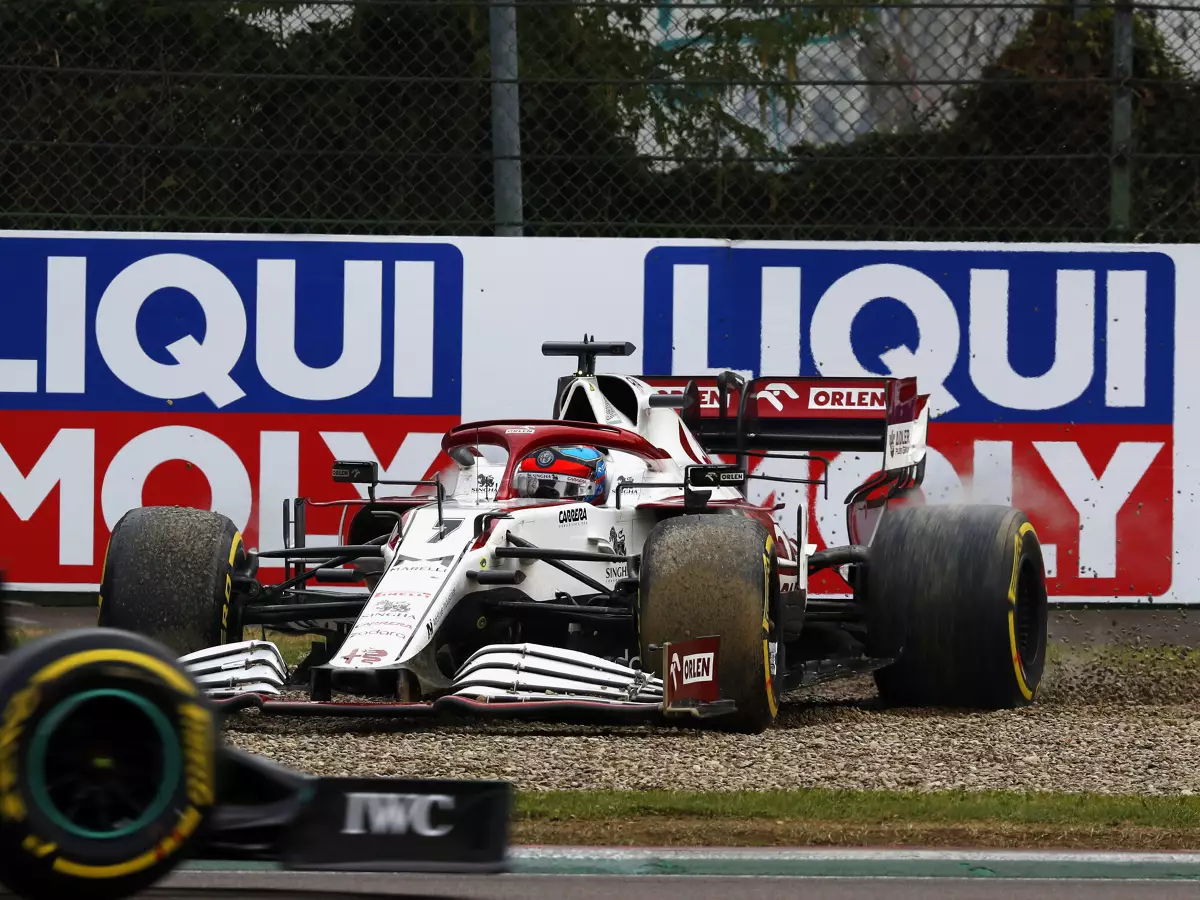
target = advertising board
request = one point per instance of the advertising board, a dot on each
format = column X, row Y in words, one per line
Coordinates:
column 229, row 371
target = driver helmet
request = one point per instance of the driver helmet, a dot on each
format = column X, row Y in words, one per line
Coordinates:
column 563, row 473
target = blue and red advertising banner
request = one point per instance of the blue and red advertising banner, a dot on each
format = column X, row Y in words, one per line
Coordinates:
column 229, row 371
column 1051, row 374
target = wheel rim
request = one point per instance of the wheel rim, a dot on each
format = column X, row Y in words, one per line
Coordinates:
column 1028, row 615
column 103, row 764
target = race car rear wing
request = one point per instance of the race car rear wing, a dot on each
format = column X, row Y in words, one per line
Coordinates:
column 788, row 418
column 730, row 415
column 727, row 414
column 774, row 417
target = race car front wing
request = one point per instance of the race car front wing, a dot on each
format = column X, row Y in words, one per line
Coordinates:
column 513, row 680
column 245, row 667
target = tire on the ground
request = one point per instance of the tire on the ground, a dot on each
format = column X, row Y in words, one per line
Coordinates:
column 100, row 715
column 707, row 575
column 168, row 575
column 959, row 593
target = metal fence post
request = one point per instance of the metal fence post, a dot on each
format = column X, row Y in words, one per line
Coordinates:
column 508, row 199
column 1121, row 167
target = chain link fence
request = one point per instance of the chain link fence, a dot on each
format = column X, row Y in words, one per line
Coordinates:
column 742, row 119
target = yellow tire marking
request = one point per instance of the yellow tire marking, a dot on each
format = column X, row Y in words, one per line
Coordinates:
column 166, row 672
column 188, row 821
column 766, row 624
column 770, row 687
column 1018, row 538
column 100, row 593
column 233, row 548
column 198, row 748
column 12, row 807
column 168, row 845
column 36, row 846
column 21, row 705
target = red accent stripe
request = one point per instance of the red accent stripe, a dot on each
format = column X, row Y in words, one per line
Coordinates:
column 687, row 446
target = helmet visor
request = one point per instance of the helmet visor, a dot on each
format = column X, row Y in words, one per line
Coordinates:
column 551, row 485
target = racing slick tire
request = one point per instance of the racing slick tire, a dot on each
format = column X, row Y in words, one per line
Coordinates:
column 707, row 575
column 168, row 574
column 957, row 595
column 107, row 765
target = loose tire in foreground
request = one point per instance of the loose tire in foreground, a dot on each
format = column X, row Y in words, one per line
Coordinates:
column 960, row 593
column 714, row 575
column 107, row 768
column 168, row 575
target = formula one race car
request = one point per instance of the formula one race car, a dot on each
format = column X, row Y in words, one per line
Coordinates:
column 112, row 773
column 601, row 562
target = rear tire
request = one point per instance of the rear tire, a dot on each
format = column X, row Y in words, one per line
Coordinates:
column 107, row 765
column 168, row 575
column 959, row 592
column 713, row 575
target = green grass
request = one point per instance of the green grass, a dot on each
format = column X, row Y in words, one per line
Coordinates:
column 293, row 647
column 948, row 807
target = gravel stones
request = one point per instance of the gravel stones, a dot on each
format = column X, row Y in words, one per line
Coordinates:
column 1120, row 723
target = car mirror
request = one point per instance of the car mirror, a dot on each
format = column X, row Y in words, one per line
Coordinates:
column 356, row 472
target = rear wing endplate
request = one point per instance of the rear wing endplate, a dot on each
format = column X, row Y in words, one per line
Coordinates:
column 728, row 414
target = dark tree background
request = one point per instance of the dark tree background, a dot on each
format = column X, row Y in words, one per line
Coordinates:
column 187, row 115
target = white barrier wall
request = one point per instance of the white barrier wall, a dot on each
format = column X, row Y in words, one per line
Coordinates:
column 230, row 371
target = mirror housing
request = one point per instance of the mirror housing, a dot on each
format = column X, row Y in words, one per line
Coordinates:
column 669, row 401
column 365, row 472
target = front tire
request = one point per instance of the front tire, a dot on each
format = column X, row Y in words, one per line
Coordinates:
column 168, row 574
column 714, row 575
column 959, row 594
column 107, row 765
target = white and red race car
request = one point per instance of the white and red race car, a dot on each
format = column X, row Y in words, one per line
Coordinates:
column 606, row 561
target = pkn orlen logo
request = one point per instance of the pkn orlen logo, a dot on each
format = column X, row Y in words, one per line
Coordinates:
column 120, row 355
column 1050, row 373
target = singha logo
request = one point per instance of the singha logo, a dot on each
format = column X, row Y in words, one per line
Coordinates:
column 486, row 485
column 617, row 539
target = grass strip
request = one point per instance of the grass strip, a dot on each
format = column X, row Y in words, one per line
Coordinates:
column 658, row 831
column 824, row 805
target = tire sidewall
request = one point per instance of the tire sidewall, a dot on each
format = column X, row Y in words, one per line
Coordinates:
column 743, row 669
column 39, row 857
column 231, row 560
column 1026, row 552
column 939, row 591
column 228, row 559
column 773, row 615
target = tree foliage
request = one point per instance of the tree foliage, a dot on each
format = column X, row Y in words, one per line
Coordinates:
column 192, row 115
column 1026, row 156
